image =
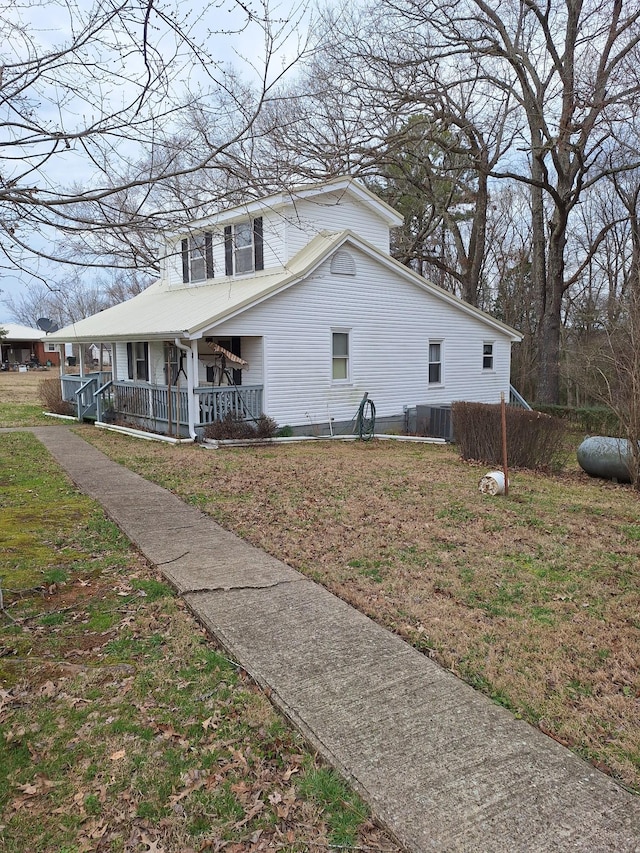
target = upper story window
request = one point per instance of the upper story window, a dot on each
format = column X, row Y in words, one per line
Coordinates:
column 243, row 247
column 435, row 362
column 487, row 356
column 197, row 258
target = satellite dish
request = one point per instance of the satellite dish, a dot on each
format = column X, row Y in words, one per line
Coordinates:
column 46, row 325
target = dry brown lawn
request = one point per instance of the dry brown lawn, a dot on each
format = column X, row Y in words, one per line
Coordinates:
column 533, row 598
column 22, row 387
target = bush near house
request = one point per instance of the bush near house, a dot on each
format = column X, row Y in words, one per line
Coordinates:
column 234, row 427
column 534, row 440
column 50, row 394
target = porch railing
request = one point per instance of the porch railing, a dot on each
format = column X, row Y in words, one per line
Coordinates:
column 80, row 390
column 152, row 403
column 516, row 399
column 243, row 401
column 153, row 407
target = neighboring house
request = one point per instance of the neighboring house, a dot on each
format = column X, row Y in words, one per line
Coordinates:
column 25, row 346
column 292, row 306
column 100, row 355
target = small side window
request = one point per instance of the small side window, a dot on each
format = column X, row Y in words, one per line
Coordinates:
column 340, row 356
column 487, row 356
column 435, row 362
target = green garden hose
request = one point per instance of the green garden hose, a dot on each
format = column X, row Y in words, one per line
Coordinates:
column 366, row 419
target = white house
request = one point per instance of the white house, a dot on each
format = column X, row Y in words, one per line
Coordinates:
column 293, row 306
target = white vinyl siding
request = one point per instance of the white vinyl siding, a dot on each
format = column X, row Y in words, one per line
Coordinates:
column 389, row 354
column 333, row 213
column 288, row 230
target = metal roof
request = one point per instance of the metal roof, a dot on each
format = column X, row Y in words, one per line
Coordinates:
column 187, row 311
column 17, row 332
column 164, row 311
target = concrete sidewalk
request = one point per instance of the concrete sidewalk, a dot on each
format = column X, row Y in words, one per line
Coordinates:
column 443, row 768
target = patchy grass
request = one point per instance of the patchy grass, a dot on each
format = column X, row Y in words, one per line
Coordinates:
column 22, row 414
column 20, row 403
column 533, row 598
column 123, row 727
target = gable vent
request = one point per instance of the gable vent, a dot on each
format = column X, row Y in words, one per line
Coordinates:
column 342, row 263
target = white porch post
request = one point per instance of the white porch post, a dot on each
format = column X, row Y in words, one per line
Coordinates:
column 192, row 373
column 191, row 399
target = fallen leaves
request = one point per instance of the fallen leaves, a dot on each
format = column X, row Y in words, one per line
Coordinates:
column 125, row 729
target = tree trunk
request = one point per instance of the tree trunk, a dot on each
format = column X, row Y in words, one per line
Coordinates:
column 549, row 327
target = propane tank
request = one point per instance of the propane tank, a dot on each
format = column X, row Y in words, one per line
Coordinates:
column 603, row 456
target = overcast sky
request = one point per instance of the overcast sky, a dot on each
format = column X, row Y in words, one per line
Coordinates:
column 48, row 24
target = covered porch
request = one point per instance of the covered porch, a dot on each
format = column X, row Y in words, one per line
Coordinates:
column 142, row 398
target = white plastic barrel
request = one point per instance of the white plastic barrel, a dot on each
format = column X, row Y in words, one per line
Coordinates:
column 492, row 483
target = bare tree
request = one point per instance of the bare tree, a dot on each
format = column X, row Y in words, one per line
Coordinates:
column 572, row 67
column 373, row 103
column 74, row 297
column 108, row 111
column 531, row 91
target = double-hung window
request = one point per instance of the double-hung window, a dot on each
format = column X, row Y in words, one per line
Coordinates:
column 243, row 247
column 340, row 356
column 487, row 356
column 197, row 258
column 435, row 362
column 138, row 360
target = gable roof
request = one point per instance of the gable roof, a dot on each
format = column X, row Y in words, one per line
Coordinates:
column 343, row 184
column 163, row 312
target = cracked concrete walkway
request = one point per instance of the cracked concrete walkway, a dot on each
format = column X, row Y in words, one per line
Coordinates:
column 442, row 767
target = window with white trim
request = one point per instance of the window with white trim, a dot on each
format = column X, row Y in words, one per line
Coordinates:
column 487, row 356
column 243, row 247
column 51, row 347
column 435, row 362
column 340, row 356
column 197, row 257
column 138, row 360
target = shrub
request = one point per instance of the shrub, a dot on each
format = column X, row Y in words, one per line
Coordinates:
column 534, row 440
column 266, row 427
column 50, row 394
column 234, row 427
column 592, row 420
